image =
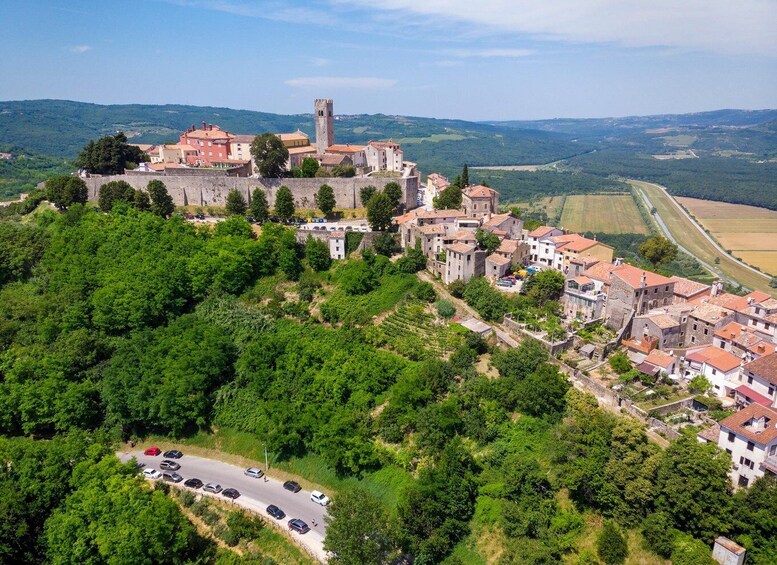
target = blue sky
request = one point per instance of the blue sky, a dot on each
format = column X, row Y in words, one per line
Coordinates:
column 469, row 59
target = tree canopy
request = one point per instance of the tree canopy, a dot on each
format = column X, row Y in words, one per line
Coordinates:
column 259, row 209
column 325, row 199
column 110, row 155
column 270, row 155
column 284, row 203
column 379, row 212
column 236, row 204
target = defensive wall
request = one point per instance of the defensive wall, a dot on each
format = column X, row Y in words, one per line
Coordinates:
column 212, row 190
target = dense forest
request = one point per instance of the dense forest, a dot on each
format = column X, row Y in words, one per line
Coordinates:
column 127, row 325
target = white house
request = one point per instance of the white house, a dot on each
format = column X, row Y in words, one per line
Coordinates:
column 750, row 438
column 337, row 245
column 541, row 247
column 720, row 367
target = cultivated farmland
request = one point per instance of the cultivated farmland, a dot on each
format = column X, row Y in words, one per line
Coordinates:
column 605, row 213
column 749, row 232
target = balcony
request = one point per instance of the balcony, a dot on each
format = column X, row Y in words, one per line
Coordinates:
column 770, row 464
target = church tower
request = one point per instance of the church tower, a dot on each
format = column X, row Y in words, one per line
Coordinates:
column 325, row 128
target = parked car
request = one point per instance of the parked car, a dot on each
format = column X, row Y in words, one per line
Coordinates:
column 152, row 474
column 276, row 512
column 153, row 450
column 232, row 493
column 298, row 526
column 172, row 454
column 172, row 477
column 253, row 472
column 200, row 216
column 250, row 219
column 215, row 488
column 193, row 483
column 169, row 465
column 293, row 486
column 319, row 498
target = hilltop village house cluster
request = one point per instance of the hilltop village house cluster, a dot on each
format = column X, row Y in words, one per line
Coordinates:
column 669, row 325
column 208, row 146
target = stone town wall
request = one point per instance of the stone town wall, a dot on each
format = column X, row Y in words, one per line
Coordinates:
column 202, row 190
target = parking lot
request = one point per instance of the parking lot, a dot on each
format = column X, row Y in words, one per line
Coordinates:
column 255, row 494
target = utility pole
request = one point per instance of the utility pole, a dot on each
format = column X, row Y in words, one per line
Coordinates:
column 266, row 461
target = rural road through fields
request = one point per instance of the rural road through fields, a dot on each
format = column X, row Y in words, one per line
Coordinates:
column 255, row 495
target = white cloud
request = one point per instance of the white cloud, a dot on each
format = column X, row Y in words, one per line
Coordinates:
column 365, row 83
column 320, row 62
column 490, row 53
column 78, row 49
column 723, row 26
column 268, row 10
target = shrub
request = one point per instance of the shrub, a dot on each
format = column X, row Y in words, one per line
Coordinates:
column 424, row 291
column 187, row 498
column 658, row 534
column 611, row 545
column 620, row 363
column 445, row 308
column 457, row 287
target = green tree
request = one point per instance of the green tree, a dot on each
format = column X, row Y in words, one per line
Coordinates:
column 620, row 363
column 542, row 393
column 236, row 204
column 699, row 384
column 270, row 155
column 544, row 286
column 693, row 487
column 379, row 211
column 445, row 308
column 413, row 260
column 343, row 171
column 142, row 201
column 611, row 546
column 65, row 190
column 385, row 244
column 755, row 520
column 690, row 551
column 358, row 529
column 448, row 199
column 161, row 201
column 487, row 240
column 110, row 156
column 365, row 193
column 309, row 167
column 393, row 192
column 317, row 254
column 658, row 250
column 284, row 203
column 325, row 199
column 115, row 191
column 356, row 277
column 659, row 534
column 259, row 209
column 465, row 176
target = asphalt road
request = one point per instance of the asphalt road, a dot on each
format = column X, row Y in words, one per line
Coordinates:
column 255, row 494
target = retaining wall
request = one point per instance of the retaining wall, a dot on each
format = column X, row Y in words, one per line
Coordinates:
column 212, row 190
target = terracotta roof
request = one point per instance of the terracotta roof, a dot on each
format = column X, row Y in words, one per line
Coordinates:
column 465, row 235
column 210, row 134
column 600, row 271
column 753, row 396
column 479, row 191
column 296, row 136
column 498, row 259
column 302, row 149
column 345, row 148
column 741, row 303
column 730, row 331
column 742, row 423
column 764, row 367
column 508, row 246
column 404, row 218
column 632, row 276
column 330, row 159
column 432, row 229
column 715, row 357
column 745, row 338
column 541, row 231
column 242, row 139
column 433, row 214
column 460, row 247
column 384, row 144
column 648, row 368
column 337, row 234
column 581, row 280
column 687, row 288
column 497, row 219
column 762, row 348
column 660, row 359
column 581, row 245
column 711, row 313
column 710, row 434
column 663, row 321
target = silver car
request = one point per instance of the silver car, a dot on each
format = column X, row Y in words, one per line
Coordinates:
column 253, row 472
column 215, row 488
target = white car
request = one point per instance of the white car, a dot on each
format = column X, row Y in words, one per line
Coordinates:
column 152, row 474
column 319, row 498
column 253, row 472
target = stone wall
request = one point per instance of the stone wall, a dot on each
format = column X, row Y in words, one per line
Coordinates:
column 204, row 190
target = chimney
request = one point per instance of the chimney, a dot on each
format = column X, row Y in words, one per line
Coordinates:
column 643, row 280
column 618, row 262
column 192, row 127
column 204, row 126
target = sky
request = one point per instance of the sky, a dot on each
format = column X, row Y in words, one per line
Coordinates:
column 467, row 59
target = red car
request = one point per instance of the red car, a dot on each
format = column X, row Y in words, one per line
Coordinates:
column 153, row 450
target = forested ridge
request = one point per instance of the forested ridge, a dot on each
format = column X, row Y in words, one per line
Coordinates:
column 124, row 325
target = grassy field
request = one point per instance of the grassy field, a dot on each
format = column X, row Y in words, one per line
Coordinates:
column 749, row 232
column 615, row 213
column 551, row 205
column 683, row 229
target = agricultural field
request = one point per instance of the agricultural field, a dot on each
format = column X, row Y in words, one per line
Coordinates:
column 551, row 205
column 605, row 213
column 413, row 329
column 749, row 232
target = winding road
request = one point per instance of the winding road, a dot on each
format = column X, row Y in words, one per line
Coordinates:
column 255, row 495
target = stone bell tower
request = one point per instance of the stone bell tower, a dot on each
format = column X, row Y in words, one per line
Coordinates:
column 325, row 128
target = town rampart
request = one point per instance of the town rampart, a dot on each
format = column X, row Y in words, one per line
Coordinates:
column 210, row 190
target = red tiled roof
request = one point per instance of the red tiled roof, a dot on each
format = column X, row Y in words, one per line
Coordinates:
column 541, row 231
column 687, row 288
column 347, row 148
column 460, row 247
column 711, row 313
column 433, row 214
column 295, row 136
column 600, row 271
column 762, row 348
column 239, row 138
column 498, row 259
column 764, row 367
column 581, row 280
column 715, row 357
column 660, row 359
column 479, row 191
column 732, row 330
column 753, row 396
column 497, row 219
column 632, row 276
column 741, row 423
column 508, row 246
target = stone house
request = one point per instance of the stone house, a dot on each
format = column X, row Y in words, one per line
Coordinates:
column 497, row 265
column 704, row 321
column 506, row 226
column 355, row 152
column 636, row 291
column 686, row 290
column 742, row 341
column 664, row 362
column 575, row 248
column 479, row 201
column 760, row 377
column 337, row 244
column 384, row 156
column 516, row 251
column 462, row 262
column 660, row 326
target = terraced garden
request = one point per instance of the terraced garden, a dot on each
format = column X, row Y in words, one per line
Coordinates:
column 412, row 330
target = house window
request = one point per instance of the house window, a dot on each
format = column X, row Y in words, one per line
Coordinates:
column 728, row 451
column 750, row 446
column 749, row 380
column 706, row 331
column 743, row 481
column 714, row 372
column 695, row 327
column 731, row 436
column 771, row 390
column 693, row 339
